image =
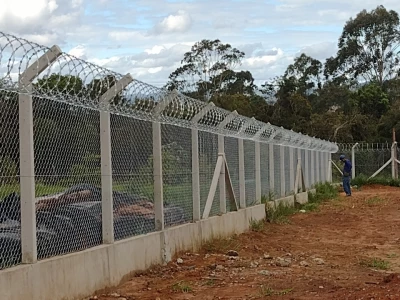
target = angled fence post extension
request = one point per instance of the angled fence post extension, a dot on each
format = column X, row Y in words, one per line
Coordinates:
column 157, row 161
column 353, row 161
column 282, row 171
column 107, row 207
column 271, row 168
column 195, row 161
column 26, row 146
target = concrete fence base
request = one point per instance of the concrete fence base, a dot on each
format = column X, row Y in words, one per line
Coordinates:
column 301, row 198
column 77, row 275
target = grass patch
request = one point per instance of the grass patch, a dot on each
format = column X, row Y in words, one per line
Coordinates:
column 310, row 206
column 279, row 214
column 266, row 291
column 324, row 192
column 363, row 180
column 373, row 201
column 375, row 263
column 222, row 245
column 182, row 286
column 257, row 226
column 41, row 189
column 210, row 282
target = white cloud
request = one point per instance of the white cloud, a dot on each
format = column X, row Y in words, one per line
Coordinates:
column 78, row 51
column 155, row 50
column 179, row 22
column 148, row 38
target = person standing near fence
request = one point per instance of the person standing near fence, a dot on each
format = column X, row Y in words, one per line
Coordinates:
column 346, row 174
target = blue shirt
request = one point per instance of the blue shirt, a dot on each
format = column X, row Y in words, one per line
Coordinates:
column 347, row 166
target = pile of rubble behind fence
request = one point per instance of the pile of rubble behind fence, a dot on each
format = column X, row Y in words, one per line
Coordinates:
column 71, row 221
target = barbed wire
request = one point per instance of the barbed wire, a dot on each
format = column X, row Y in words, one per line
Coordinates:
column 364, row 147
column 77, row 82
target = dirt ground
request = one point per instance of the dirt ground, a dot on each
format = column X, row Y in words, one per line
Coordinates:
column 348, row 248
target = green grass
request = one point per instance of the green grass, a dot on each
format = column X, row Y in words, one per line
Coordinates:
column 373, row 201
column 182, row 286
column 324, row 192
column 257, row 226
column 222, row 245
column 266, row 291
column 41, row 189
column 280, row 214
column 363, row 180
column 375, row 263
column 310, row 206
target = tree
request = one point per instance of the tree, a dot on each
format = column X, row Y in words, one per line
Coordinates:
column 388, row 121
column 97, row 87
column 56, row 84
column 241, row 82
column 368, row 48
column 332, row 97
column 370, row 100
column 204, row 67
column 292, row 112
column 305, row 73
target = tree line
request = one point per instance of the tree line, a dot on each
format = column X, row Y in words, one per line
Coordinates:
column 350, row 97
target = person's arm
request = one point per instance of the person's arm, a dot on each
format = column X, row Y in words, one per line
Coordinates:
column 348, row 163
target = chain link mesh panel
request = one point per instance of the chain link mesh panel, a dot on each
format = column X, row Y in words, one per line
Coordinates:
column 321, row 167
column 67, row 169
column 177, row 174
column 287, row 170
column 317, row 167
column 208, row 156
column 232, row 158
column 324, row 167
column 294, row 167
column 250, row 172
column 313, row 176
column 264, row 158
column 277, row 172
column 10, row 215
column 67, row 103
column 369, row 158
column 132, row 167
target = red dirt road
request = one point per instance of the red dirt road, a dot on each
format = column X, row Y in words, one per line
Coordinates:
column 348, row 249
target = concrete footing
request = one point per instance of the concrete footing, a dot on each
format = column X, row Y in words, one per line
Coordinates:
column 77, row 275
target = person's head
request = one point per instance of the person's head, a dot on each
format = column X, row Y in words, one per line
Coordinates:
column 342, row 157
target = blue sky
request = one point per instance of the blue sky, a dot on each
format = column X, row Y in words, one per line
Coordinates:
column 148, row 38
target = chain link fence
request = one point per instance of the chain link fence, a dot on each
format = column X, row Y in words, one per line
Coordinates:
column 367, row 159
column 89, row 156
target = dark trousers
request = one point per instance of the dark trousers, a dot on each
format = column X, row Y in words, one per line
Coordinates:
column 346, row 185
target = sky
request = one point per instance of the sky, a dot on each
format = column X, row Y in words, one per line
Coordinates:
column 147, row 38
